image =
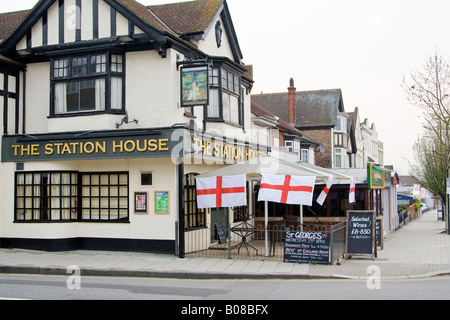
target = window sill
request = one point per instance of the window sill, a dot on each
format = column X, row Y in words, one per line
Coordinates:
column 71, row 221
column 226, row 122
column 84, row 114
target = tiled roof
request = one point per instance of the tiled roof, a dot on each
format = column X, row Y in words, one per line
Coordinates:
column 143, row 13
column 10, row 21
column 177, row 19
column 258, row 110
column 314, row 108
column 188, row 17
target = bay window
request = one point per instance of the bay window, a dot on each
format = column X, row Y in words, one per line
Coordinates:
column 226, row 101
column 90, row 83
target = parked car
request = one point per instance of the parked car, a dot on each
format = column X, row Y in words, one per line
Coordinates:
column 424, row 207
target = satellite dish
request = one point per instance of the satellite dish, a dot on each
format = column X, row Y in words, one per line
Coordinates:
column 322, row 149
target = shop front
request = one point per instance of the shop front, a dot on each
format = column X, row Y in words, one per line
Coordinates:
column 129, row 191
column 103, row 190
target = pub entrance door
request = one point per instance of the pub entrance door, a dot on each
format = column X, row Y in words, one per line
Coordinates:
column 218, row 217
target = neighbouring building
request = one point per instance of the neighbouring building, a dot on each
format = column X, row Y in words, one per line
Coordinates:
column 286, row 142
column 320, row 115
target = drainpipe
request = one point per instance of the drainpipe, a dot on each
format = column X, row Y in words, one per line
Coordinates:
column 181, row 246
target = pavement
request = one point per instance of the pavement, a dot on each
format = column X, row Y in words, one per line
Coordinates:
column 417, row 250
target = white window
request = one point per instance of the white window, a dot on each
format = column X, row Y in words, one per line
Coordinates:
column 339, row 158
column 305, row 155
column 341, row 124
column 289, row 145
column 88, row 83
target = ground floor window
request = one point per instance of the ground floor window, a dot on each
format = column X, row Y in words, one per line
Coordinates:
column 71, row 196
column 194, row 218
column 104, row 196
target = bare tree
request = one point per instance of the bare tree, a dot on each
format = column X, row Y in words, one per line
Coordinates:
column 430, row 170
column 429, row 89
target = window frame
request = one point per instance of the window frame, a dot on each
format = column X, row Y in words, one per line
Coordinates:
column 193, row 216
column 221, row 82
column 304, row 155
column 69, row 77
column 41, row 197
column 124, row 197
column 342, row 155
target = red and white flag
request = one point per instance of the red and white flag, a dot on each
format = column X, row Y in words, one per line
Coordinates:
column 323, row 195
column 221, row 192
column 351, row 196
column 287, row 189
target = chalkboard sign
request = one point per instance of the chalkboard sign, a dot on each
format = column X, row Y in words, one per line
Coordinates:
column 361, row 233
column 221, row 233
column 307, row 247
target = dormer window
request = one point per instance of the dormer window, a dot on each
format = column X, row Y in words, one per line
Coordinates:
column 341, row 124
column 90, row 83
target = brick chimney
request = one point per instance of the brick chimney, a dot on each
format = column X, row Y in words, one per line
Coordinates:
column 292, row 104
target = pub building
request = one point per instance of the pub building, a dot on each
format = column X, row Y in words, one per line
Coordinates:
column 110, row 110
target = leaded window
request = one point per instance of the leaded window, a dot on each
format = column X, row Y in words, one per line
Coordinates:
column 194, row 218
column 89, row 83
column 71, row 196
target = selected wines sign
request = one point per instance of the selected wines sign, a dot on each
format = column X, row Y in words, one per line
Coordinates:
column 361, row 234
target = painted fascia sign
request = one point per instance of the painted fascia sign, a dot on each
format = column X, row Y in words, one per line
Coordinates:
column 375, row 177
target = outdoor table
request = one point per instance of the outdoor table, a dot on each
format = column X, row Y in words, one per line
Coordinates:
column 244, row 233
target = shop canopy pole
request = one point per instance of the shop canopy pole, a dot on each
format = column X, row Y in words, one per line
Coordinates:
column 301, row 217
column 266, row 224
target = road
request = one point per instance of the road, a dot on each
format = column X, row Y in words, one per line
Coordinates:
column 95, row 288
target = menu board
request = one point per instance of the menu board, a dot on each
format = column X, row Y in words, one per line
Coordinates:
column 221, row 233
column 361, row 232
column 307, row 247
column 379, row 232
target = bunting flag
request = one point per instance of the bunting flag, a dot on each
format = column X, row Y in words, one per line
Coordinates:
column 351, row 196
column 287, row 189
column 221, row 192
column 323, row 195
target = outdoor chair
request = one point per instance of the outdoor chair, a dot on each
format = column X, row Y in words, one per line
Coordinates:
column 291, row 223
column 276, row 234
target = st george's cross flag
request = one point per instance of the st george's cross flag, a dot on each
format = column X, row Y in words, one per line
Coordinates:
column 352, row 196
column 221, row 192
column 323, row 195
column 287, row 189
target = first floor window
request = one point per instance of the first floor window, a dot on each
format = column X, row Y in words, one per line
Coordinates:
column 305, row 155
column 80, row 96
column 88, row 83
column 71, row 196
column 339, row 158
column 226, row 101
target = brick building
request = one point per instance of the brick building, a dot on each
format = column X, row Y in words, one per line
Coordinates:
column 319, row 114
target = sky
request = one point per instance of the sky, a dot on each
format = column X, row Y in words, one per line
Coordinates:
column 363, row 47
